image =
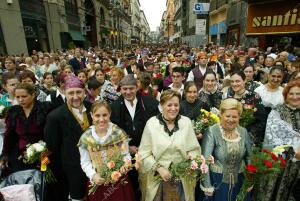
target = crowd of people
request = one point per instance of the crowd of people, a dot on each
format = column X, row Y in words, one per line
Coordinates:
column 90, row 105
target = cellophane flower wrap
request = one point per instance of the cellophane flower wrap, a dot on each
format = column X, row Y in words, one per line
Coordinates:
column 38, row 153
column 262, row 163
column 111, row 171
column 205, row 120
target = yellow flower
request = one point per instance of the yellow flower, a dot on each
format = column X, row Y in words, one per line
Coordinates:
column 215, row 118
column 280, row 149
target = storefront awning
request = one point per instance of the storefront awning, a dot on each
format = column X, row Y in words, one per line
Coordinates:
column 76, row 35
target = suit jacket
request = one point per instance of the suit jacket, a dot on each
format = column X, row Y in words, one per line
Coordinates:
column 62, row 133
column 76, row 65
column 146, row 108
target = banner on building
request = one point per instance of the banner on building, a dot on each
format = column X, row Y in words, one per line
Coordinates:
column 201, row 8
column 273, row 18
column 200, row 27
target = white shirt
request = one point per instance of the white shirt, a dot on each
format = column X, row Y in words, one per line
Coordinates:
column 131, row 108
column 191, row 74
column 180, row 90
column 270, row 99
column 78, row 113
column 57, row 94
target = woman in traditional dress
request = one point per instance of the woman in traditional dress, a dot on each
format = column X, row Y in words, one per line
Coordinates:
column 283, row 124
column 250, row 101
column 283, row 128
column 249, row 71
column 111, row 91
column 271, row 92
column 210, row 93
column 100, row 144
column 230, row 147
column 24, row 125
column 167, row 138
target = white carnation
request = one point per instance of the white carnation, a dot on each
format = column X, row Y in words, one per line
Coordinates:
column 2, row 107
column 39, row 147
column 29, row 152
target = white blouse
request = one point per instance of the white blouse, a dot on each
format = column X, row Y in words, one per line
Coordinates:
column 270, row 99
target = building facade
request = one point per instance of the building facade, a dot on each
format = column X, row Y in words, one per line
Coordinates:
column 62, row 24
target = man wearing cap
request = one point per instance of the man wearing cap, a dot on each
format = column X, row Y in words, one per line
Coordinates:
column 131, row 112
column 198, row 72
column 63, row 129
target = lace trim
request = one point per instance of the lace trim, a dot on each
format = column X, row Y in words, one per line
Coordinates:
column 231, row 140
column 164, row 123
column 209, row 190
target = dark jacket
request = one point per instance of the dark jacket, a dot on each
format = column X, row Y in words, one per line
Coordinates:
column 76, row 65
column 62, row 133
column 56, row 101
column 146, row 107
column 21, row 131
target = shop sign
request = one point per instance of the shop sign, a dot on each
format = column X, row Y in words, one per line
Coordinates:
column 201, row 8
column 273, row 18
column 200, row 27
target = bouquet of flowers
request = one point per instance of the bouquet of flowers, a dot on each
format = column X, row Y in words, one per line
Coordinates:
column 263, row 162
column 38, row 152
column 247, row 116
column 111, row 172
column 205, row 120
column 157, row 78
column 192, row 168
column 3, row 111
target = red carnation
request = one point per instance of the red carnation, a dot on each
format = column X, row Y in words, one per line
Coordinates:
column 251, row 168
column 283, row 162
column 268, row 164
column 274, row 157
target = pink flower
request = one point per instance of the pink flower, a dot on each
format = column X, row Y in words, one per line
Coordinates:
column 204, row 168
column 194, row 165
column 111, row 164
column 115, row 176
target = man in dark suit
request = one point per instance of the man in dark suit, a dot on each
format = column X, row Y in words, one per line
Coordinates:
column 131, row 112
column 63, row 129
column 78, row 63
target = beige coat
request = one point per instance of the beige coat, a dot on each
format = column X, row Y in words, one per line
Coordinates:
column 157, row 147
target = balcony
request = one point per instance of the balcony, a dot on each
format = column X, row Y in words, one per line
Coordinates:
column 216, row 4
